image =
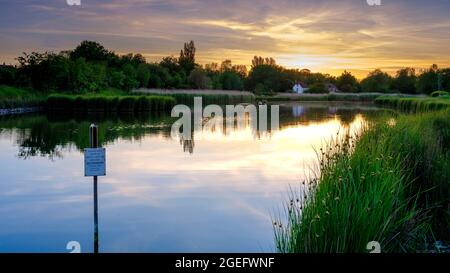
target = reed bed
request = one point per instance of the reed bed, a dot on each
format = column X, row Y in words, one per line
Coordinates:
column 71, row 103
column 422, row 104
column 389, row 183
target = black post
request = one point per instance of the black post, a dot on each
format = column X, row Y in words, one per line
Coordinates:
column 93, row 139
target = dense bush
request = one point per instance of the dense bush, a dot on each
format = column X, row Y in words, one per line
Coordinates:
column 317, row 88
column 347, row 83
column 405, row 81
column 377, row 81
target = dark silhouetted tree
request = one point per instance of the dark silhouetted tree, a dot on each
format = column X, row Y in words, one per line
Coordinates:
column 347, row 83
column 187, row 57
column 428, row 81
column 376, row 81
column 405, row 80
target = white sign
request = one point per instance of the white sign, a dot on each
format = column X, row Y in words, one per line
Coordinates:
column 94, row 162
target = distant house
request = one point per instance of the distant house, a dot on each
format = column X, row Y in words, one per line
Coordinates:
column 331, row 88
column 299, row 88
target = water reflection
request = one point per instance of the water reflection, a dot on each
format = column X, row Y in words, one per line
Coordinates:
column 215, row 192
column 48, row 135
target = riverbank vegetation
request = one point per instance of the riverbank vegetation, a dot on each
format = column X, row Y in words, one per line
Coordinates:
column 90, row 68
column 112, row 100
column 111, row 103
column 12, row 97
column 390, row 184
column 368, row 97
column 416, row 104
column 211, row 98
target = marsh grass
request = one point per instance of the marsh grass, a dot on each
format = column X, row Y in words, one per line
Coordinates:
column 12, row 97
column 388, row 184
column 356, row 97
column 72, row 103
column 221, row 99
column 414, row 105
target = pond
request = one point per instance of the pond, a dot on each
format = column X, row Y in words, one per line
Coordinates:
column 214, row 193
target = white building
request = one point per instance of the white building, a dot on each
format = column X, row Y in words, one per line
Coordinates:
column 299, row 88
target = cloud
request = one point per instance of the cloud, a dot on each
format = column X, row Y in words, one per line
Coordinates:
column 322, row 35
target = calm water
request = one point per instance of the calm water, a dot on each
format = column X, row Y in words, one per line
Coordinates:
column 213, row 194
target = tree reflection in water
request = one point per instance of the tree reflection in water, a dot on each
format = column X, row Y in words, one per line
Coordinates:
column 48, row 134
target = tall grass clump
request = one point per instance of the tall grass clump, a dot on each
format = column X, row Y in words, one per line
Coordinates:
column 13, row 97
column 413, row 105
column 222, row 99
column 322, row 97
column 71, row 103
column 390, row 184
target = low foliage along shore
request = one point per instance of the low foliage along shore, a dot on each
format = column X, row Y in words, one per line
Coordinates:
column 390, row 184
column 418, row 104
column 69, row 103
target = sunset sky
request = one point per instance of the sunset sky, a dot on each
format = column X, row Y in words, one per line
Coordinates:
column 322, row 35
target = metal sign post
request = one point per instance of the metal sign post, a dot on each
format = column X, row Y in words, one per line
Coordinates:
column 93, row 139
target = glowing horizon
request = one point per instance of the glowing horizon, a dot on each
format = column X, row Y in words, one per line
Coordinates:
column 323, row 36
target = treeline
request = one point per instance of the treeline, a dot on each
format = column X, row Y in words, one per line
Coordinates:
column 90, row 67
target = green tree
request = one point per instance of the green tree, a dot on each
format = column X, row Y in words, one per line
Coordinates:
column 270, row 76
column 258, row 60
column 317, row 88
column 171, row 64
column 347, row 83
column 226, row 65
column 199, row 80
column 444, row 78
column 116, row 79
column 143, row 75
column 187, row 57
column 376, row 81
column 230, row 80
column 91, row 51
column 427, row 82
column 87, row 77
column 44, row 71
column 7, row 74
column 130, row 80
column 405, row 81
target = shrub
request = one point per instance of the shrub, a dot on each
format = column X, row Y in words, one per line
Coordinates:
column 317, row 88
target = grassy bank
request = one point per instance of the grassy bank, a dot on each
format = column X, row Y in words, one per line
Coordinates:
column 12, row 97
column 112, row 100
column 420, row 104
column 220, row 97
column 369, row 97
column 390, row 184
column 102, row 103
